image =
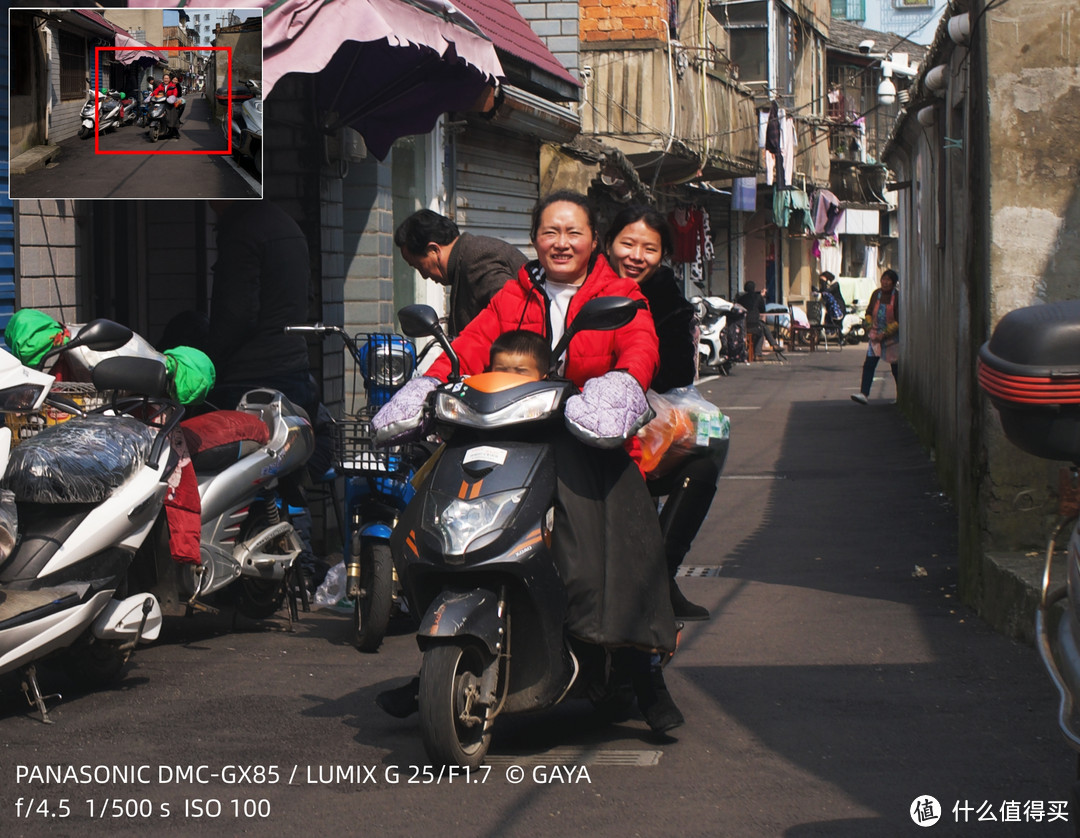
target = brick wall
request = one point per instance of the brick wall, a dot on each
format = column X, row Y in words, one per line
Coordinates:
column 557, row 25
column 46, row 236
column 622, row 20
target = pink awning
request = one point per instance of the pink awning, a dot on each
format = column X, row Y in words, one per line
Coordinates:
column 134, row 51
column 387, row 68
column 301, row 36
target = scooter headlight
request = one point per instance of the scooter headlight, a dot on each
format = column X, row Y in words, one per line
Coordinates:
column 461, row 523
column 449, row 408
column 21, row 398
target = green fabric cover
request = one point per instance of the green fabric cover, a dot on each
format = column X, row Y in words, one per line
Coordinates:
column 30, row 334
column 192, row 373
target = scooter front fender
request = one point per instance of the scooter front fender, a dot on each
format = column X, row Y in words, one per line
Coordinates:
column 376, row 529
column 471, row 613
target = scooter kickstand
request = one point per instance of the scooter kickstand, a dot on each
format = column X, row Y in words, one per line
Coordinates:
column 33, row 693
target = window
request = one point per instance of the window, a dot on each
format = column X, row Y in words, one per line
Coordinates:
column 747, row 23
column 72, row 65
column 20, row 65
column 849, row 9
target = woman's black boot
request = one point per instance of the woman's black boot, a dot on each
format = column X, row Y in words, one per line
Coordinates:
column 654, row 700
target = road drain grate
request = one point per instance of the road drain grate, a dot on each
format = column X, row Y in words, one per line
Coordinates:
column 698, row 571
column 579, row 756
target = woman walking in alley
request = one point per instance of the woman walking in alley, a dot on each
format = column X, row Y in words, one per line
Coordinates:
column 883, row 325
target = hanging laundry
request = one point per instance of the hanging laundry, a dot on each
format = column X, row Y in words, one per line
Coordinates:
column 744, row 194
column 791, row 209
column 830, row 255
column 686, row 225
column 826, row 212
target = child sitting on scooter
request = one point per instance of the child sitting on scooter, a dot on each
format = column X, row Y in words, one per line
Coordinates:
column 522, row 352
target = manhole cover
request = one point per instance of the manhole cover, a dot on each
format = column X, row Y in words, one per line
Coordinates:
column 580, row 756
column 698, row 571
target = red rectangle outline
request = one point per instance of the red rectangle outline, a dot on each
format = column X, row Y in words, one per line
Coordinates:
column 97, row 103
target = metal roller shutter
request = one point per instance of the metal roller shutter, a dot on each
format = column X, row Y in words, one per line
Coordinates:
column 497, row 182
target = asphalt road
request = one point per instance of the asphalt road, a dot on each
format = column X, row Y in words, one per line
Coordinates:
column 838, row 682
column 193, row 166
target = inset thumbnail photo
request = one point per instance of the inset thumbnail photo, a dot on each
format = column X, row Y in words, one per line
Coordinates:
column 135, row 103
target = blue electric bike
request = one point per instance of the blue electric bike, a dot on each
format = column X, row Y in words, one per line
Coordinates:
column 377, row 481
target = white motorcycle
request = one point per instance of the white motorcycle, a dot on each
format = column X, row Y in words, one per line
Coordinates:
column 716, row 316
column 113, row 108
column 246, row 126
column 86, row 493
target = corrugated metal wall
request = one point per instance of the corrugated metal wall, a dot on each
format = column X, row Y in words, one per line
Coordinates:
column 497, row 183
column 7, row 210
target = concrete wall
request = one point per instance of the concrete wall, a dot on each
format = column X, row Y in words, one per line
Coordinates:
column 989, row 223
column 149, row 21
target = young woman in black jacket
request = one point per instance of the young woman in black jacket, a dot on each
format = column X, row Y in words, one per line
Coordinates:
column 638, row 240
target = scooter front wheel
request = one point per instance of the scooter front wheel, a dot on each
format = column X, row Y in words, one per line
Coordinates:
column 84, row 132
column 371, row 608
column 95, row 663
column 455, row 726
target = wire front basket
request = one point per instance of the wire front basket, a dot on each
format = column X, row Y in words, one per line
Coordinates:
column 26, row 425
column 355, row 452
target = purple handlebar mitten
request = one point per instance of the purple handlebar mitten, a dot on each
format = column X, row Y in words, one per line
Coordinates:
column 609, row 410
column 403, row 415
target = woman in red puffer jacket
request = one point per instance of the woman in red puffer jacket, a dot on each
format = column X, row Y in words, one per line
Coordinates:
column 548, row 294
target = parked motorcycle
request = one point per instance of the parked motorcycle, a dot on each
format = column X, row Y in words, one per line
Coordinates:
column 1029, row 371
column 246, row 125
column 472, row 550
column 377, row 482
column 244, row 461
column 716, row 319
column 87, row 492
column 112, row 107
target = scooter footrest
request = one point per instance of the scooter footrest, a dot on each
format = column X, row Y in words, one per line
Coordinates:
column 18, row 606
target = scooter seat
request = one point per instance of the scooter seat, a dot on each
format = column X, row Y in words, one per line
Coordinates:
column 217, row 440
column 81, row 460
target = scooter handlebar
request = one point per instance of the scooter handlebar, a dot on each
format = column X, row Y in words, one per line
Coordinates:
column 315, row 329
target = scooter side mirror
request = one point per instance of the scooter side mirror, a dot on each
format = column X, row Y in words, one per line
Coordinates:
column 101, row 335
column 600, row 314
column 418, row 321
column 421, row 321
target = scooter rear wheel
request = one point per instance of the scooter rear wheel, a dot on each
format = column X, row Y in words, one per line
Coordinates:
column 371, row 608
column 455, row 727
column 258, row 599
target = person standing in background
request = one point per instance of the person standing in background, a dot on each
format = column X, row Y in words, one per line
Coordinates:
column 474, row 267
column 262, row 283
column 883, row 327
